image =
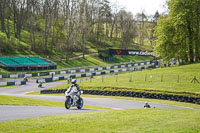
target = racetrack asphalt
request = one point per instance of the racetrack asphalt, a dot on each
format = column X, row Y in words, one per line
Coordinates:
column 11, row 112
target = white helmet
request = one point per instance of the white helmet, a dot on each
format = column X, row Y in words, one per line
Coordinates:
column 74, row 81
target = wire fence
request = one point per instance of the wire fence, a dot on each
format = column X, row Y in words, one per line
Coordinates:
column 147, row 77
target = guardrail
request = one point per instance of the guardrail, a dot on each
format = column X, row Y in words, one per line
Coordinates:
column 78, row 73
column 10, row 83
column 156, row 63
column 100, row 72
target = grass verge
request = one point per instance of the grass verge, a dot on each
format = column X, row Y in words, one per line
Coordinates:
column 172, row 80
column 13, row 100
column 190, row 105
column 116, row 121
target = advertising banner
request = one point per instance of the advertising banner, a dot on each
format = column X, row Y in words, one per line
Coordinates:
column 131, row 52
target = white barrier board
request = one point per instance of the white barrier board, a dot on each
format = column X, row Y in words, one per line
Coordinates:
column 3, row 83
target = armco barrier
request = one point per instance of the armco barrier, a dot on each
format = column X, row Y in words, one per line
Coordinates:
column 89, row 74
column 12, row 83
column 180, row 98
column 77, row 70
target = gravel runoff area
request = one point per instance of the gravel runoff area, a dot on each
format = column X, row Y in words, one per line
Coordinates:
column 11, row 112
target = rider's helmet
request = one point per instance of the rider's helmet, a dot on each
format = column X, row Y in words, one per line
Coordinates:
column 74, row 81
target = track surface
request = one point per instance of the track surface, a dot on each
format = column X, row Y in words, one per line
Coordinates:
column 10, row 112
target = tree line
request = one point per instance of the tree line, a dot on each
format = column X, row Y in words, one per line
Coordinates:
column 66, row 26
column 177, row 34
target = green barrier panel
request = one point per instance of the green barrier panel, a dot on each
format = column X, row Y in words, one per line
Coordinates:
column 94, row 74
column 77, row 70
column 67, row 71
column 87, row 70
column 10, row 83
column 83, row 75
column 103, row 73
column 73, row 76
column 57, row 72
column 112, row 71
column 44, row 73
column 21, row 75
column 23, row 82
column 48, row 80
column 34, row 74
column 61, row 78
column 5, row 75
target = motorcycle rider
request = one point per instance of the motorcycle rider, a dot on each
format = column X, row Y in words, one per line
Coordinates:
column 146, row 105
column 74, row 90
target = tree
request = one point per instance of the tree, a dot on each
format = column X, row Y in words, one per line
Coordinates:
column 127, row 28
column 141, row 18
column 156, row 16
column 5, row 15
column 182, row 41
column 115, row 9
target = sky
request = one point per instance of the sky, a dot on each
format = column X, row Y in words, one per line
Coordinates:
column 136, row 6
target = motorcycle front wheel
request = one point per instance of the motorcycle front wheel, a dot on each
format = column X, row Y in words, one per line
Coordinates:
column 68, row 102
column 80, row 103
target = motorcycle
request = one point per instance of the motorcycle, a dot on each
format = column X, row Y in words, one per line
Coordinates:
column 70, row 102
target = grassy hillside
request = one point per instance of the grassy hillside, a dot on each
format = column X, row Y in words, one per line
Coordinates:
column 90, row 61
column 14, row 47
column 95, row 60
column 175, row 80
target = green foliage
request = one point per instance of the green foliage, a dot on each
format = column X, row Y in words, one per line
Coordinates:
column 3, row 70
column 178, row 33
column 57, row 33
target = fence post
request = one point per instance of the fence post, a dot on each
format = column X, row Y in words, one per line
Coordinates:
column 117, row 77
column 145, row 77
column 102, row 78
column 178, row 78
column 130, row 78
column 151, row 78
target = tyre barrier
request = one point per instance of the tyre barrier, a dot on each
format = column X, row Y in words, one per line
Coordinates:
column 179, row 98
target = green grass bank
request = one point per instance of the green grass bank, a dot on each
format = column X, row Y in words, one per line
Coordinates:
column 123, row 121
column 173, row 80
